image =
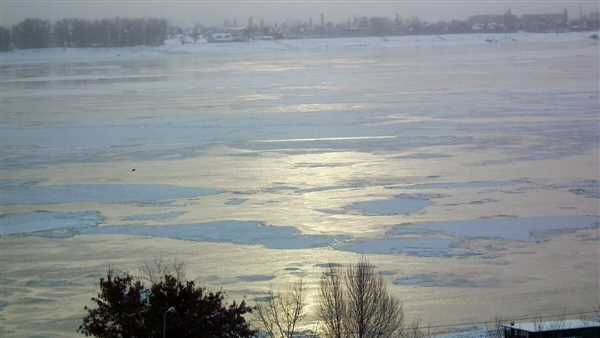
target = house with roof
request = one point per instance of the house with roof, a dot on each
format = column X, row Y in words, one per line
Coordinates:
column 573, row 328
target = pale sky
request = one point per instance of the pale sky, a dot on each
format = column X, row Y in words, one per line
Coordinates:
column 188, row 12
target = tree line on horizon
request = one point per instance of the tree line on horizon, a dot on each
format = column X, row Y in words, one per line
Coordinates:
column 67, row 33
column 353, row 301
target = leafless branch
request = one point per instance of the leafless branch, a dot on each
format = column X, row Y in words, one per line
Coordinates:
column 155, row 270
column 279, row 315
column 355, row 303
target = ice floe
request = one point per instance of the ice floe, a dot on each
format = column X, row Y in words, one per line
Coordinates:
column 502, row 228
column 98, row 193
column 442, row 239
column 446, row 239
column 428, row 247
column 402, row 204
column 40, row 221
column 255, row 278
column 586, row 188
column 446, row 280
column 155, row 217
column 237, row 232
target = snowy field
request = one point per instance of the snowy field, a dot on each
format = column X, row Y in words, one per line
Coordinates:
column 467, row 171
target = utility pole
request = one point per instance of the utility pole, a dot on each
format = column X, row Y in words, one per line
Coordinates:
column 169, row 310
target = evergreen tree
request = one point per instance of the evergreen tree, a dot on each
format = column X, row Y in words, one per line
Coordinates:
column 126, row 308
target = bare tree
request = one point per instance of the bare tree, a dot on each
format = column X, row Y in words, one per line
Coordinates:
column 154, row 271
column 596, row 312
column 592, row 315
column 315, row 332
column 280, row 313
column 538, row 323
column 414, row 330
column 495, row 330
column 558, row 323
column 371, row 312
column 356, row 303
column 332, row 306
column 266, row 315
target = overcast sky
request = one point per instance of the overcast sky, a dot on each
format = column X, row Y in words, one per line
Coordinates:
column 215, row 12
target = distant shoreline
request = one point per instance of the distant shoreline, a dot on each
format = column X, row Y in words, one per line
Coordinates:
column 174, row 42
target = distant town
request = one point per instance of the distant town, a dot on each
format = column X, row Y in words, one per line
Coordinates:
column 231, row 30
column 120, row 32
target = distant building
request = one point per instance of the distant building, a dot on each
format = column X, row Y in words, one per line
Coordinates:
column 544, row 22
column 486, row 23
column 511, row 21
column 590, row 21
column 232, row 34
column 554, row 329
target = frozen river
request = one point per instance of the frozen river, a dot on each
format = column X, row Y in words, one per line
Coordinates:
column 466, row 170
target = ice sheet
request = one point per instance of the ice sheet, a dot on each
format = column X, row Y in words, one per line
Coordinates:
column 509, row 128
column 239, row 232
column 40, row 221
column 506, row 228
column 98, row 193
